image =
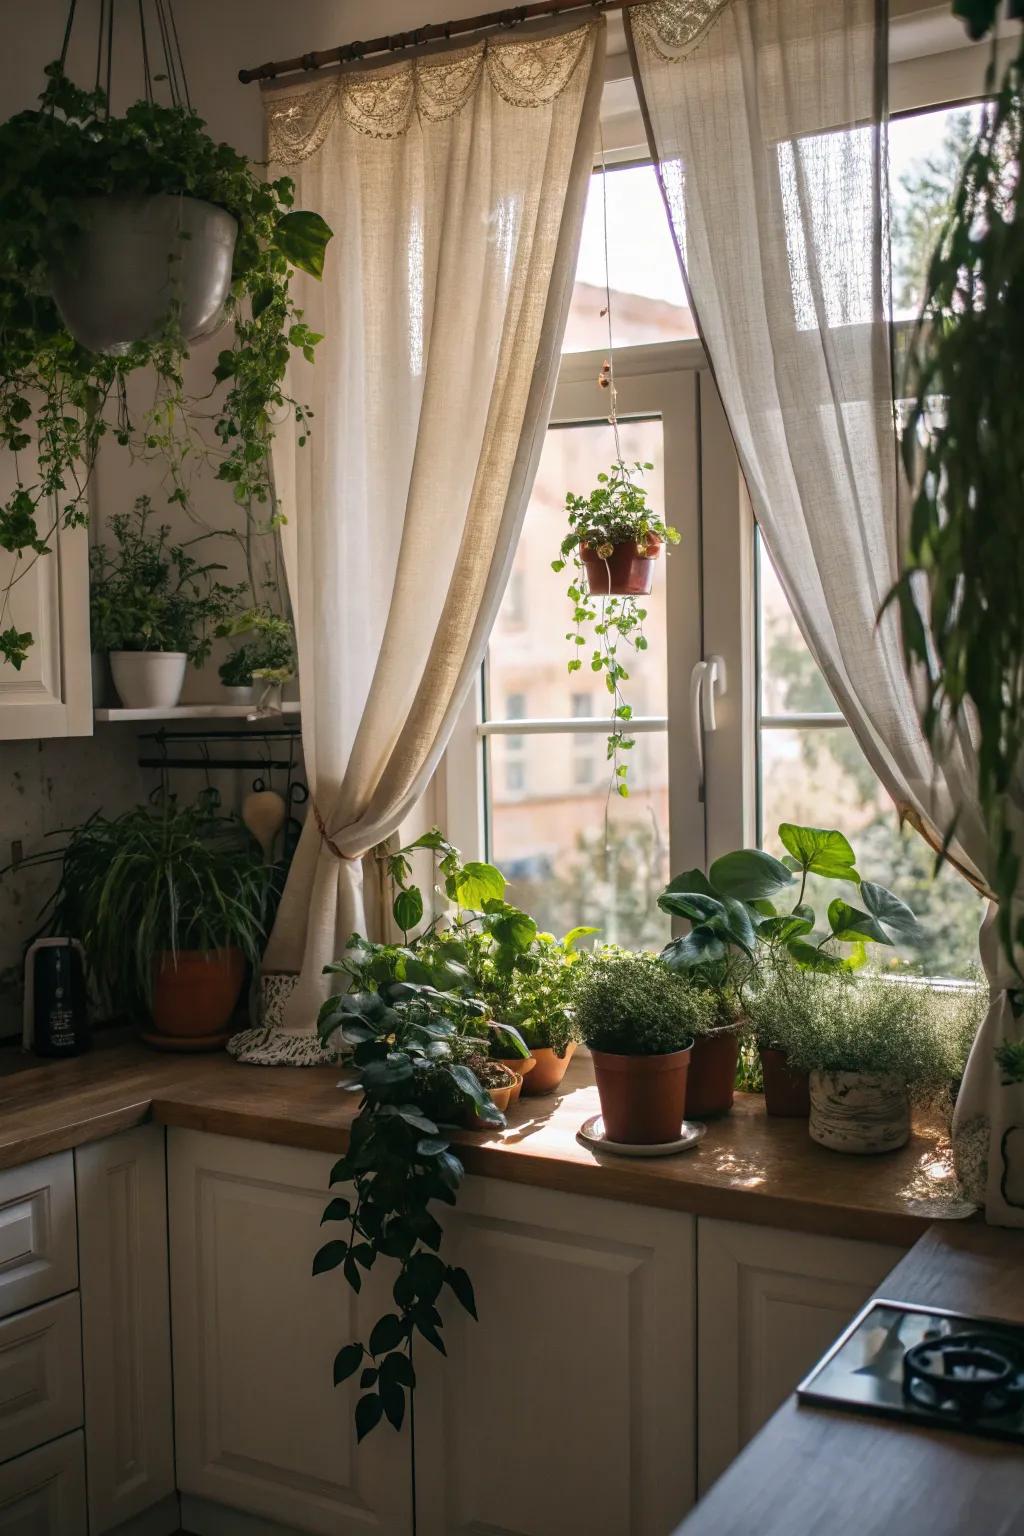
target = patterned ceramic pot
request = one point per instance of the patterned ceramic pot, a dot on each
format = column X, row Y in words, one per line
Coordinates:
column 276, row 987
column 859, row 1112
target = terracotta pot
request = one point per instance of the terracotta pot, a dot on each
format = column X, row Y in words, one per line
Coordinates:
column 625, row 573
column 709, row 1089
column 642, row 1097
column 195, row 990
column 549, row 1071
column 859, row 1112
column 499, row 1097
column 786, row 1093
column 519, row 1065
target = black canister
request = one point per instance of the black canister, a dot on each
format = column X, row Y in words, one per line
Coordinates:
column 57, row 1017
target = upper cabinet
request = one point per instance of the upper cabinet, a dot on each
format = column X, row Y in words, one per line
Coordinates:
column 52, row 693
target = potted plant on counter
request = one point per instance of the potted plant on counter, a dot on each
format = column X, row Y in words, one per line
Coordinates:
column 153, row 608
column 613, row 542
column 639, row 1020
column 536, row 997
column 168, row 902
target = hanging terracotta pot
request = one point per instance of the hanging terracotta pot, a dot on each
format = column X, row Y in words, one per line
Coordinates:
column 642, row 1097
column 859, row 1111
column 626, row 572
column 787, row 1094
column 195, row 991
column 137, row 262
column 549, row 1070
column 711, row 1084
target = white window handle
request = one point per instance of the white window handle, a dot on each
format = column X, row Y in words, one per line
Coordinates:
column 707, row 682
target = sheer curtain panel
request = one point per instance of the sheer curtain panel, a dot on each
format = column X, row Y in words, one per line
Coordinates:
column 455, row 182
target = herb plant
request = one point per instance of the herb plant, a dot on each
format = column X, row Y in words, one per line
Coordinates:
column 630, row 1003
column 160, row 878
column 151, row 595
column 963, row 450
column 537, row 995
column 615, row 512
column 1010, row 1060
column 54, row 395
column 269, row 656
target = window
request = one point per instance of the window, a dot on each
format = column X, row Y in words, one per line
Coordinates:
column 536, row 798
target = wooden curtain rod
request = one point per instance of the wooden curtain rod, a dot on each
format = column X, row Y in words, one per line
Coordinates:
column 435, row 32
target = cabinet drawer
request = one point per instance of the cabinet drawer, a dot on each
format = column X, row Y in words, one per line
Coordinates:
column 38, row 1253
column 43, row 1493
column 40, row 1376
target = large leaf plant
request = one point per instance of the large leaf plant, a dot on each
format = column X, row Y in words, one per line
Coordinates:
column 58, row 400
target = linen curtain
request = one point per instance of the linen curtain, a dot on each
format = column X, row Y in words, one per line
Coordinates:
column 455, row 182
column 767, row 120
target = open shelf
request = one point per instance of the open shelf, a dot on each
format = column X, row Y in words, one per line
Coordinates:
column 195, row 712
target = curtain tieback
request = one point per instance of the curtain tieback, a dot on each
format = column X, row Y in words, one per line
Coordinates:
column 328, row 841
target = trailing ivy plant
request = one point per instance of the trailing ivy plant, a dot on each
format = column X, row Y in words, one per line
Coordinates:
column 959, row 595
column 615, row 512
column 57, row 400
column 742, row 918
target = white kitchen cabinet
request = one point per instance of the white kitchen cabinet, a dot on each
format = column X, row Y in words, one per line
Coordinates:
column 569, row 1406
column 126, row 1339
column 38, row 1255
column 769, row 1305
column 40, row 1375
column 51, row 695
column 43, row 1492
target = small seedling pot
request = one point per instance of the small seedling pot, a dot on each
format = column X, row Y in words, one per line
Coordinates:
column 859, row 1112
column 626, row 572
column 712, row 1079
column 519, row 1066
column 787, row 1094
column 549, row 1070
column 643, row 1098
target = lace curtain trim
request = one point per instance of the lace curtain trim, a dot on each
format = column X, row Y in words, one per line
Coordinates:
column 525, row 72
column 672, row 29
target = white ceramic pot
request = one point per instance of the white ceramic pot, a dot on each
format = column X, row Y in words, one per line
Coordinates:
column 859, row 1112
column 148, row 679
column 237, row 694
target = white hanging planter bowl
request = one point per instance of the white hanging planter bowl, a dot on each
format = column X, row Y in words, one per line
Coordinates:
column 135, row 262
column 148, row 679
column 859, row 1112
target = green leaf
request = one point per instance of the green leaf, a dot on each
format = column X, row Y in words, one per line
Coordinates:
column 691, row 904
column 302, row 237
column 462, row 1287
column 572, row 938
column 809, row 958
column 850, row 924
column 474, row 884
column 786, row 927
column 368, row 1414
column 820, row 852
column 408, row 908
column 690, row 880
column 699, row 947
column 894, row 914
column 329, row 1256
column 338, row 1209
column 346, row 1362
column 749, row 875
column 388, row 1332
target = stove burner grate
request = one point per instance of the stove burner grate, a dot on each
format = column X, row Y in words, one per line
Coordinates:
column 965, row 1376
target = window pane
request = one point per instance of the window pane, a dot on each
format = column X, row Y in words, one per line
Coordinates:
column 926, row 152
column 648, row 297
column 529, row 652
column 548, row 835
column 820, row 778
column 791, row 682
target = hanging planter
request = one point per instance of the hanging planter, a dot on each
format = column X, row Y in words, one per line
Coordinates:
column 613, row 542
column 140, row 264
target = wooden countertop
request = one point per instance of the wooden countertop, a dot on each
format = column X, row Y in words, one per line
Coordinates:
column 813, row 1470
column 747, row 1168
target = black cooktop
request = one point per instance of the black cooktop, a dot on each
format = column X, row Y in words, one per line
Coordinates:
column 926, row 1366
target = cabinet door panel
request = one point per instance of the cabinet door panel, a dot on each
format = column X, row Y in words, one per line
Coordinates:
column 40, row 1375
column 38, row 1256
column 769, row 1304
column 126, row 1324
column 578, row 1379
column 260, row 1426
column 43, row 1493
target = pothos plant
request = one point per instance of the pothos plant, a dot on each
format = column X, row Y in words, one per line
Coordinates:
column 412, row 1024
column 58, row 400
column 750, row 910
column 615, row 512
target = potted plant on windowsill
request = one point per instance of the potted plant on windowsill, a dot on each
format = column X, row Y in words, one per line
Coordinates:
column 169, row 905
column 639, row 1020
column 261, row 663
column 153, row 608
column 536, row 997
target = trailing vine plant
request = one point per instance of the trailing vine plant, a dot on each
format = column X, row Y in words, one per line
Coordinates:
column 58, row 400
column 414, row 1025
column 959, row 595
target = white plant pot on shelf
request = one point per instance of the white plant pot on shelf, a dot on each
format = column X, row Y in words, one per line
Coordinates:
column 859, row 1112
column 148, row 679
column 237, row 693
